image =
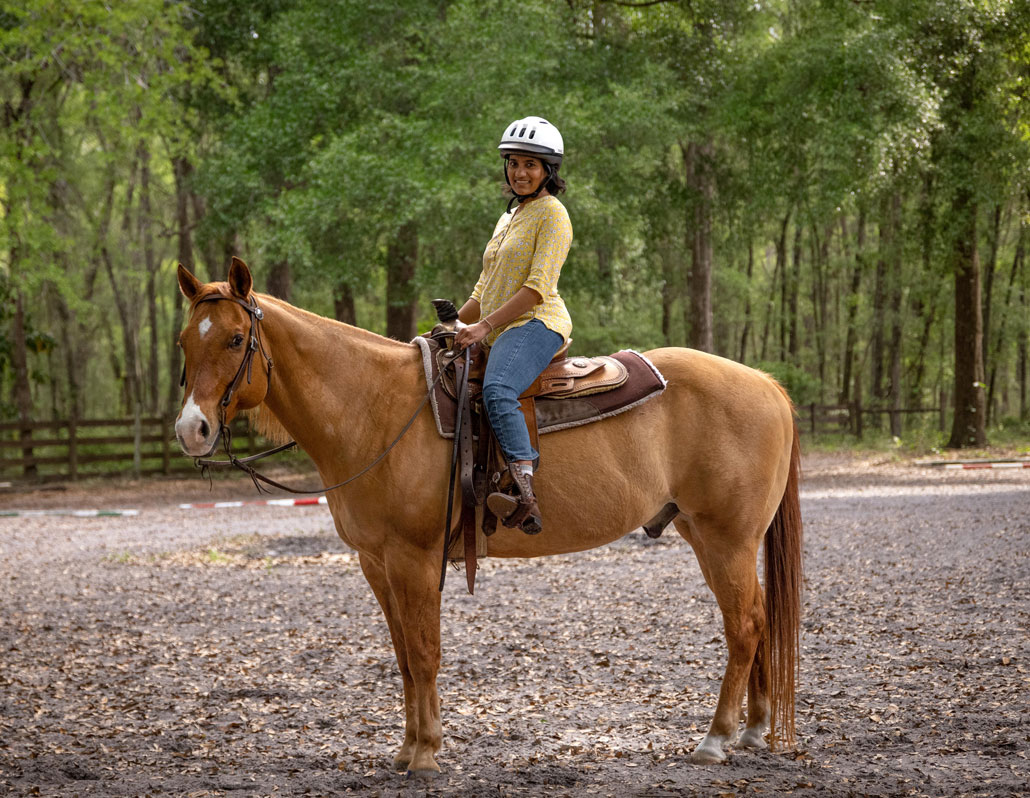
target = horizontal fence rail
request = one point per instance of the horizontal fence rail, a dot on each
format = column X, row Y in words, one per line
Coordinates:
column 54, row 450
column 853, row 417
column 43, row 451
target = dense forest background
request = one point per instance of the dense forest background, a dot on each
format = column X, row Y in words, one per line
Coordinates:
column 834, row 190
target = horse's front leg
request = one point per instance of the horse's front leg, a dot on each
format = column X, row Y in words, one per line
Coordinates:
column 413, row 578
column 375, row 573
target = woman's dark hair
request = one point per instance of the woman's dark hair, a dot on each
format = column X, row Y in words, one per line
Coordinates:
column 555, row 182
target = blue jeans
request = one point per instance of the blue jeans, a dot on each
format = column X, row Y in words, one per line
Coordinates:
column 516, row 359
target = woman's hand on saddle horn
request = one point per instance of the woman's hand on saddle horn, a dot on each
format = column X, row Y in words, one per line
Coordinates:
column 471, row 334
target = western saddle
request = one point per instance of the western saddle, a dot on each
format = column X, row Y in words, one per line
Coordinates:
column 477, row 457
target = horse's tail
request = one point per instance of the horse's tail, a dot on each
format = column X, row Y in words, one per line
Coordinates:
column 783, row 578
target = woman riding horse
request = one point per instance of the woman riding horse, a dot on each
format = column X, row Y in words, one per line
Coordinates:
column 515, row 309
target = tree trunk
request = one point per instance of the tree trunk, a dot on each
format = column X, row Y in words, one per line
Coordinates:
column 968, row 424
column 995, row 356
column 69, row 340
column 988, row 282
column 401, row 300
column 820, row 299
column 781, row 270
column 1021, row 369
column 22, row 387
column 129, row 318
column 793, row 297
column 150, row 264
column 852, row 303
column 183, row 170
column 894, row 265
column 928, row 314
column 925, row 310
column 746, row 332
column 669, row 287
column 343, row 304
column 701, row 190
column 280, row 280
column 1022, row 348
column 877, row 342
column 77, row 342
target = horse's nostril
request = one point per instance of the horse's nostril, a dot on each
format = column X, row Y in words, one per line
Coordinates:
column 204, row 429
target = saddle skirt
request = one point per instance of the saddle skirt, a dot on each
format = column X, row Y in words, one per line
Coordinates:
column 572, row 391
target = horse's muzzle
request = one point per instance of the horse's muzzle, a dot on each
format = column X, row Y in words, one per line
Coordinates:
column 197, row 436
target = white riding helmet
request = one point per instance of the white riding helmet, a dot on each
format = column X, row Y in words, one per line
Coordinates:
column 533, row 136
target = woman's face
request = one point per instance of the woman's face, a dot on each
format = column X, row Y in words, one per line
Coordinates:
column 525, row 173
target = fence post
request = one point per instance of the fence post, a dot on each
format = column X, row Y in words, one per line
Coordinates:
column 858, row 406
column 137, row 442
column 73, row 447
column 165, row 423
column 944, row 411
column 811, row 409
column 30, row 469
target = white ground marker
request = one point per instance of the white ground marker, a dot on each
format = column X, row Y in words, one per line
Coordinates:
column 76, row 513
column 305, row 502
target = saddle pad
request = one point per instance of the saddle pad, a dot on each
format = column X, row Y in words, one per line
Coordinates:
column 643, row 382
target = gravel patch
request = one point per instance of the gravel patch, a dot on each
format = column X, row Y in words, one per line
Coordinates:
column 239, row 652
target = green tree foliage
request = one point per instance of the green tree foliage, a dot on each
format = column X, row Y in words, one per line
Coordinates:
column 88, row 96
column 834, row 190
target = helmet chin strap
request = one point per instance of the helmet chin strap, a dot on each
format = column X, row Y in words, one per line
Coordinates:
column 520, row 198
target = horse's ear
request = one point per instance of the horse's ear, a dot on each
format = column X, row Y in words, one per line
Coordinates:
column 188, row 284
column 240, row 281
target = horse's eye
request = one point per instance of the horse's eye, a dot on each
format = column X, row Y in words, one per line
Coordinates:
column 236, row 342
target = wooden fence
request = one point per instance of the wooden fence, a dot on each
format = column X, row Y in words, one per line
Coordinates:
column 44, row 451
column 853, row 418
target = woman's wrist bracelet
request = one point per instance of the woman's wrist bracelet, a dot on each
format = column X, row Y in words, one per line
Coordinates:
column 486, row 321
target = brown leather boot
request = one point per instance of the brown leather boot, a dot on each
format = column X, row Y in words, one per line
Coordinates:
column 521, row 512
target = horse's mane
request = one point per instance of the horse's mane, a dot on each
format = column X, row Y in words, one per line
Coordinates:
column 261, row 417
column 267, row 424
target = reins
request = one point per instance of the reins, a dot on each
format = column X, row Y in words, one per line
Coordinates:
column 243, row 464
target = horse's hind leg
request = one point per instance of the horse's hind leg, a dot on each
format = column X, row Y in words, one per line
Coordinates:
column 376, row 576
column 759, row 706
column 728, row 564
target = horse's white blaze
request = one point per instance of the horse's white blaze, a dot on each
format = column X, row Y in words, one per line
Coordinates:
column 189, row 429
column 204, row 326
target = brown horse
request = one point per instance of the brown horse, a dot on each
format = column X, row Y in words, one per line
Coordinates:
column 720, row 443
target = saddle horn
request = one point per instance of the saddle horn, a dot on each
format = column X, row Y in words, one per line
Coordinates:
column 445, row 310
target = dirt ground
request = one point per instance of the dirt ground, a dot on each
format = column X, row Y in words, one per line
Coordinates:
column 239, row 652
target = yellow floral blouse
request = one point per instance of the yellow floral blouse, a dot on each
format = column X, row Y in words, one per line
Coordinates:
column 528, row 249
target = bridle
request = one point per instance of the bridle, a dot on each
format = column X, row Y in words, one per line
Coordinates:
column 256, row 344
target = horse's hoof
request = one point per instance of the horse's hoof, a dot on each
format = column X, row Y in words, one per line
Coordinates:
column 753, row 739
column 709, row 752
column 424, row 774
column 401, row 764
column 706, row 758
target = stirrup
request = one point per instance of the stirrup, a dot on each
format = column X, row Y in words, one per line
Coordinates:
column 517, row 512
